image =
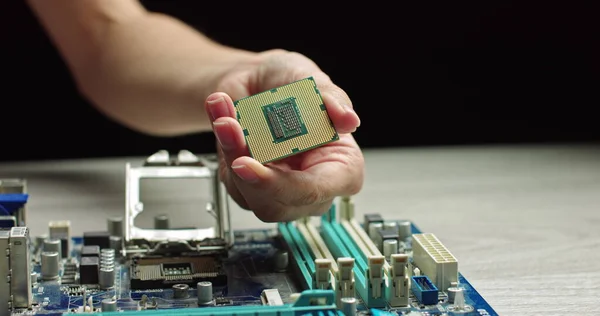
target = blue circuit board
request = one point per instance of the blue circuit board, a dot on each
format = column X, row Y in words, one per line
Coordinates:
column 249, row 270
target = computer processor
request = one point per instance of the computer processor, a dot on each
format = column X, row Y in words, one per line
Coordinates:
column 285, row 121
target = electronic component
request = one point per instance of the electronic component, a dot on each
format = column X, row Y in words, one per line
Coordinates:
column 204, row 291
column 349, row 306
column 373, row 231
column 271, row 297
column 4, row 271
column 90, row 251
column 53, row 245
column 404, row 229
column 69, row 273
column 61, row 230
column 163, row 272
column 13, row 202
column 425, row 292
column 281, row 260
column 285, row 121
column 7, row 221
column 390, row 247
column 372, row 218
column 434, row 260
column 20, row 267
column 181, row 291
column 114, row 226
column 386, row 234
column 50, row 262
column 109, row 305
column 106, row 277
column 97, row 238
column 89, row 269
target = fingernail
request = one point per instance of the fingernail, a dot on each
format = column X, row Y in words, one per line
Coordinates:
column 213, row 110
column 245, row 173
column 225, row 141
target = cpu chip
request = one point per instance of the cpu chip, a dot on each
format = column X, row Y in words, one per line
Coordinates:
column 285, row 121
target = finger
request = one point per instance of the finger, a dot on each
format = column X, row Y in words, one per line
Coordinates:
column 226, row 177
column 295, row 193
column 340, row 109
column 231, row 139
column 218, row 105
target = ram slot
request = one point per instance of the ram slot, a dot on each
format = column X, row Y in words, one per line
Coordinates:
column 342, row 247
column 316, row 243
column 368, row 270
column 380, row 275
column 301, row 256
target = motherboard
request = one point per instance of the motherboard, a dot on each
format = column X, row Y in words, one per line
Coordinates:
column 335, row 264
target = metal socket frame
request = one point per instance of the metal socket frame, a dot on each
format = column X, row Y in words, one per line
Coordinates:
column 186, row 166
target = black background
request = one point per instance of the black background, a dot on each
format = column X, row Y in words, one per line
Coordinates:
column 419, row 73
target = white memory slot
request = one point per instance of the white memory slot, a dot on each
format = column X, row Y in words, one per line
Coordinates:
column 316, row 244
column 356, row 232
column 363, row 241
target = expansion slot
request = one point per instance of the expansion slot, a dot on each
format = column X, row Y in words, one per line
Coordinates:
column 310, row 303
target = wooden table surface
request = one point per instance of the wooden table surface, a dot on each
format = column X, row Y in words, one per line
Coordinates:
column 523, row 221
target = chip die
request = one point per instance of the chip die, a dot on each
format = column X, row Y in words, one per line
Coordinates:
column 285, row 121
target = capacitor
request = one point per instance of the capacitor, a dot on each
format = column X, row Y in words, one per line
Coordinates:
column 390, row 247
column 50, row 265
column 404, row 229
column 116, row 243
column 389, row 225
column 114, row 226
column 205, row 292
column 53, row 245
column 348, row 306
column 106, row 277
column 34, row 278
column 109, row 305
column 374, row 230
column 39, row 241
column 161, row 222
column 281, row 260
column 181, row 291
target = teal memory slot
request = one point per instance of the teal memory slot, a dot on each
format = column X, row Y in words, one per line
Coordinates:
column 305, row 266
column 336, row 237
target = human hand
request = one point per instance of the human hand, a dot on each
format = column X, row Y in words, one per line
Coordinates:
column 301, row 185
